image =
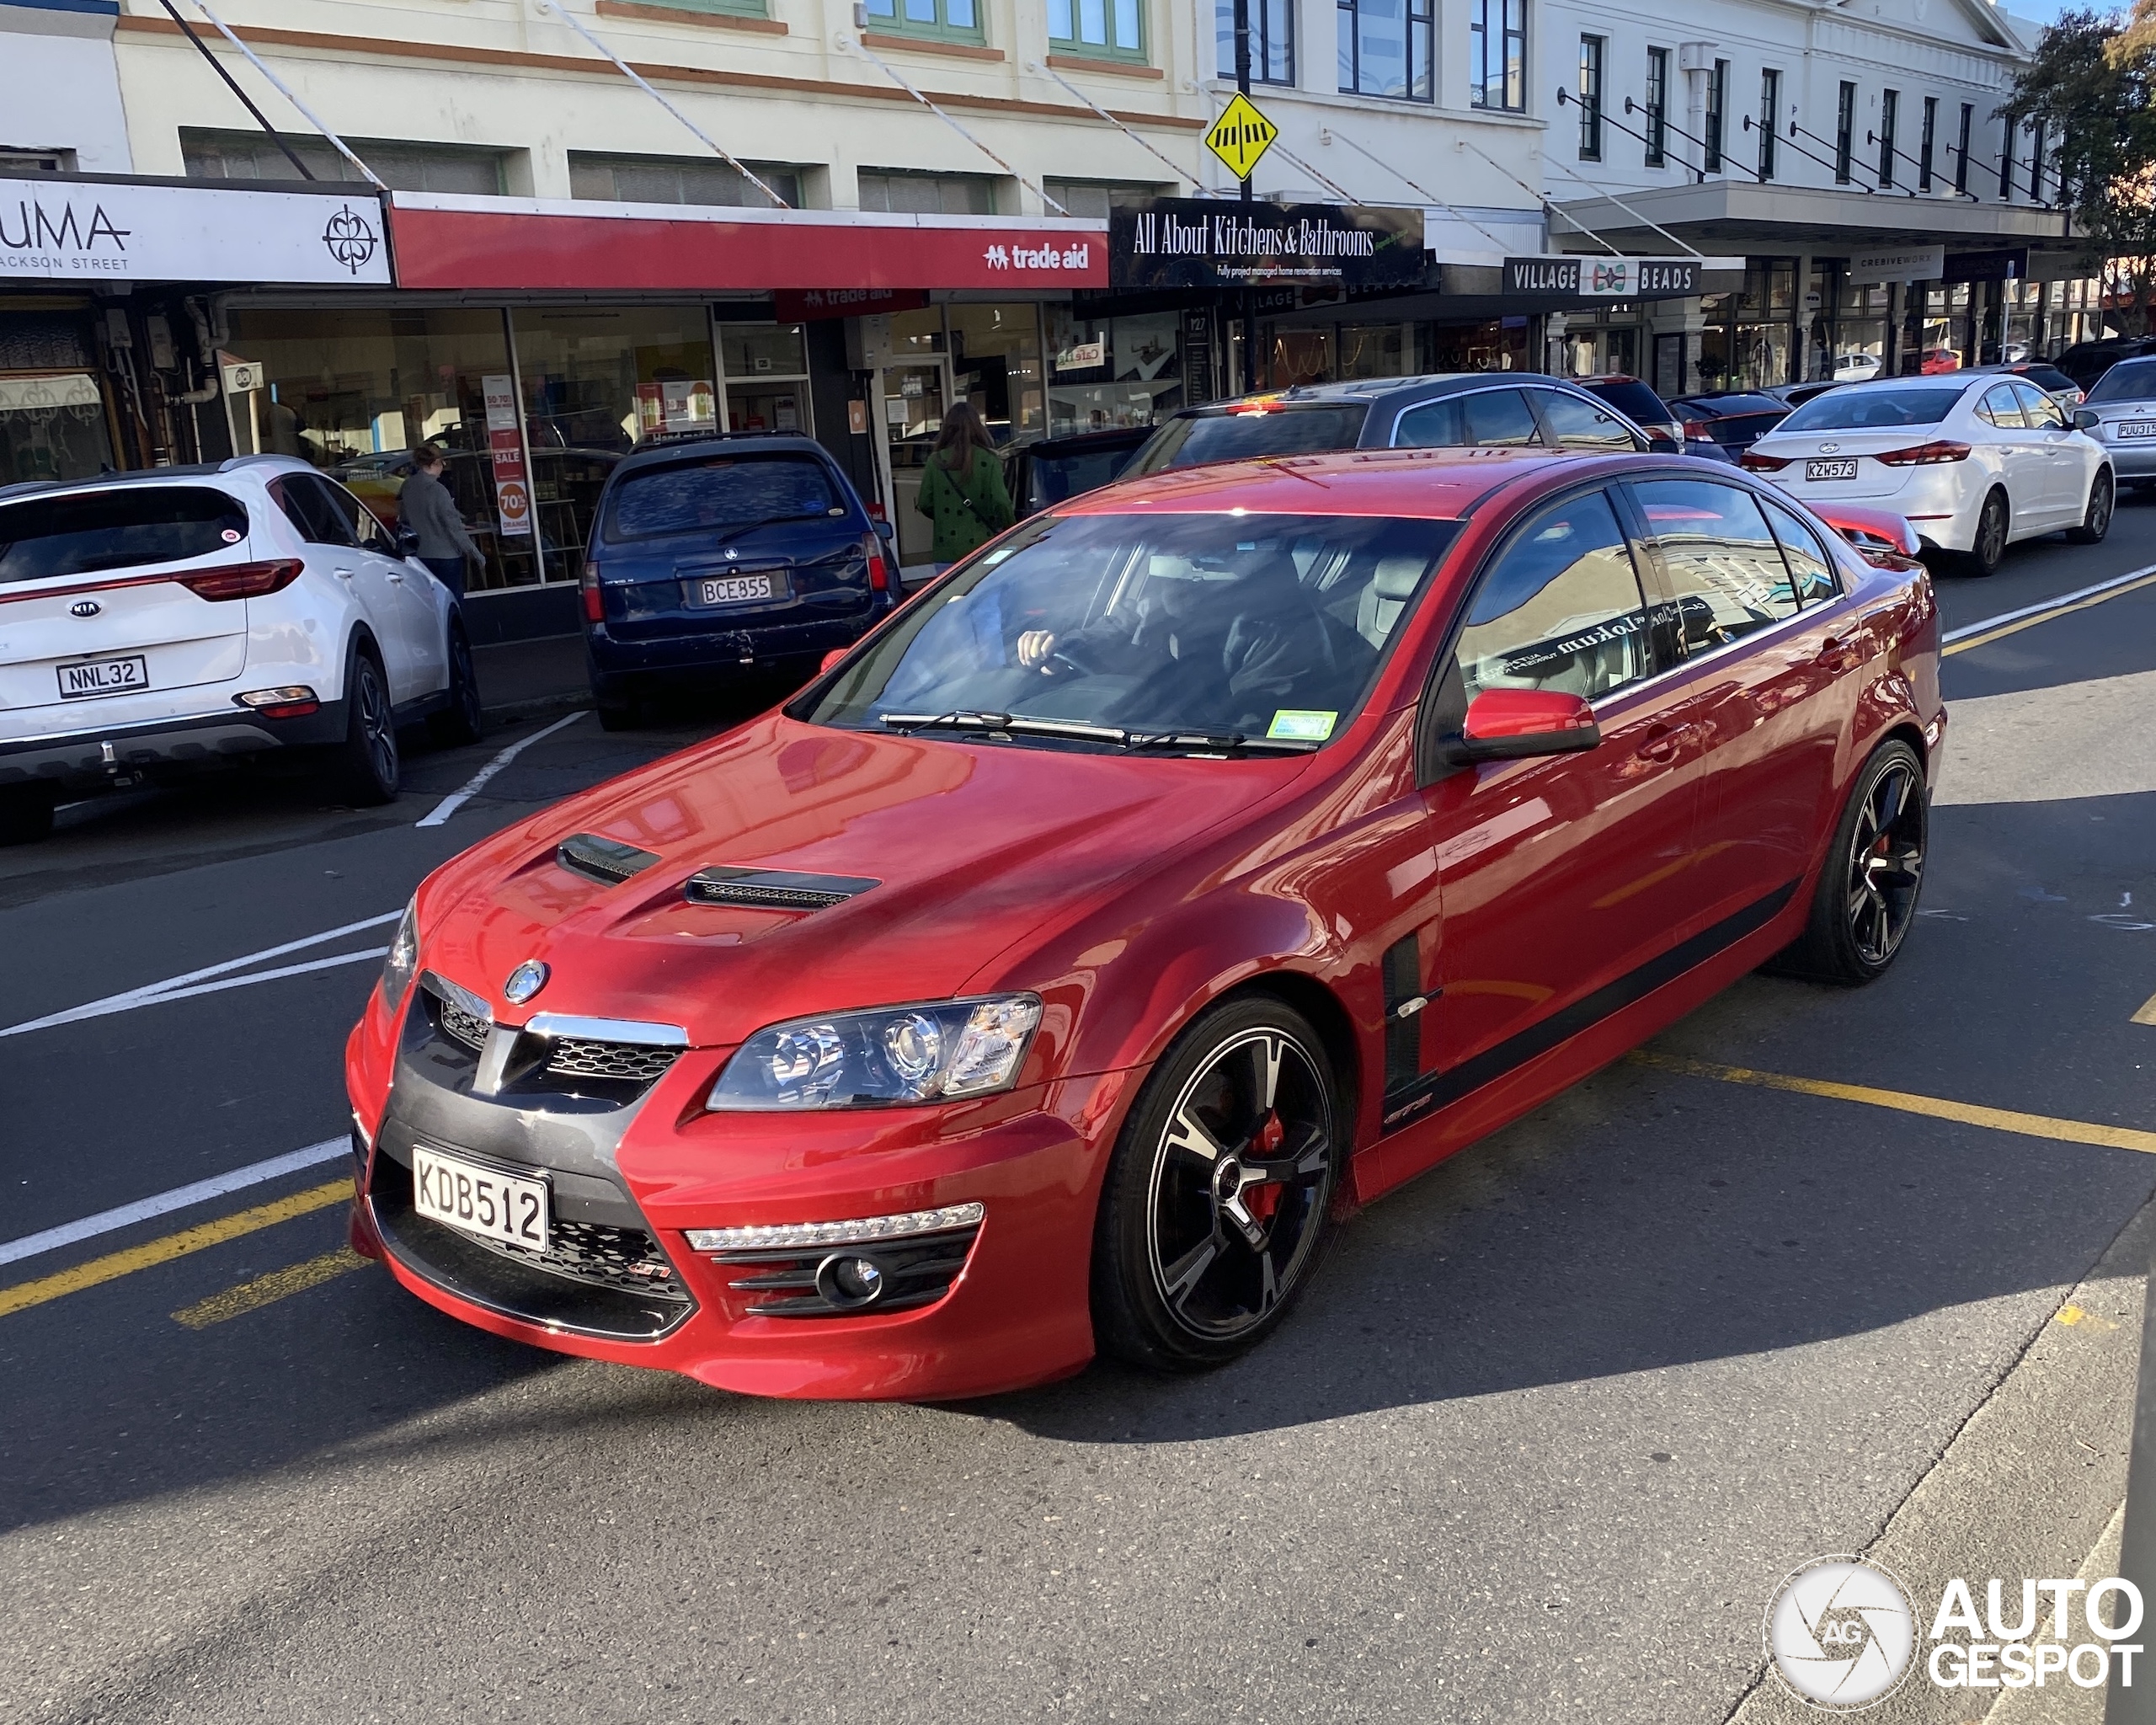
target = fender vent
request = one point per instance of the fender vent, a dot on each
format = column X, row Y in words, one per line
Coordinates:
column 773, row 889
column 604, row 859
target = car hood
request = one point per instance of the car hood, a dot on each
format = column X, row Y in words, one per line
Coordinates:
column 943, row 857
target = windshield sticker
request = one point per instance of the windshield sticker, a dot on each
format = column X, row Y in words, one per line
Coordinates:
column 1298, row 725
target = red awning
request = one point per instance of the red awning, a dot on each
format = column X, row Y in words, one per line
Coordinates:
column 446, row 242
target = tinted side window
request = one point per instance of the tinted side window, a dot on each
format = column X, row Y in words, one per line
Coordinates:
column 1571, row 423
column 1560, row 609
column 1498, row 417
column 79, row 534
column 1809, row 565
column 2039, row 409
column 307, row 506
column 1724, row 568
column 1435, row 425
column 355, row 516
column 2001, row 409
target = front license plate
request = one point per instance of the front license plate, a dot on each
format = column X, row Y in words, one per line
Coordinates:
column 736, row 590
column 1830, row 470
column 479, row 1200
column 104, row 676
column 2136, row 428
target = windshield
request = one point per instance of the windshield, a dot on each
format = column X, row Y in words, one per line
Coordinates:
column 720, row 491
column 1242, row 434
column 1264, row 631
column 86, row 531
column 2131, row 380
column 1856, row 408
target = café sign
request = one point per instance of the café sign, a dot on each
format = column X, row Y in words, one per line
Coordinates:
column 90, row 229
column 1177, row 242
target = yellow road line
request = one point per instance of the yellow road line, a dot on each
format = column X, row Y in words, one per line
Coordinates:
column 1938, row 1108
column 2045, row 616
column 2147, row 1015
column 267, row 1290
column 24, row 1294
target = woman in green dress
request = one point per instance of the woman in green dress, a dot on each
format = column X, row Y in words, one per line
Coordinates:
column 962, row 489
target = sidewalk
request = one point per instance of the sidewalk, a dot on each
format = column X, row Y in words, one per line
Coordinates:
column 522, row 679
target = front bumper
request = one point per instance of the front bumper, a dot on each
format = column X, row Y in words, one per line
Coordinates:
column 630, row 1177
column 79, row 757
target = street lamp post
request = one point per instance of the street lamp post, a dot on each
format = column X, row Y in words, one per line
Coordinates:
column 1250, row 299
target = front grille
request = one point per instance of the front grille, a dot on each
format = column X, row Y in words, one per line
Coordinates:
column 629, row 1062
column 626, row 1258
column 463, row 1026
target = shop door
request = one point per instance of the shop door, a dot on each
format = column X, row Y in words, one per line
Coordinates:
column 912, row 399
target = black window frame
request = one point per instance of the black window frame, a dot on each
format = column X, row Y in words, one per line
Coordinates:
column 1717, row 116
column 2006, row 160
column 1271, row 51
column 2038, row 132
column 1890, row 122
column 1770, row 108
column 1420, row 20
column 1926, row 141
column 1961, row 149
column 1845, row 134
column 1594, row 60
column 1510, row 17
column 1656, row 129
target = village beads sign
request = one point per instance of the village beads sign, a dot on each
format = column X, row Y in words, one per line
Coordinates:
column 1177, row 243
column 1587, row 277
column 74, row 229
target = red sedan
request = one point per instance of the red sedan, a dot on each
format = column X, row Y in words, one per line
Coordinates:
column 1192, row 863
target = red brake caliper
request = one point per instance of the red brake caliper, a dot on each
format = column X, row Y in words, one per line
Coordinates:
column 1261, row 1201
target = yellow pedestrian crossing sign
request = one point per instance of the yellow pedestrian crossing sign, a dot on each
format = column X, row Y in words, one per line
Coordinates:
column 1240, row 136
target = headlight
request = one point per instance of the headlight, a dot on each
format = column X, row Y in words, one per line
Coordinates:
column 937, row 1052
column 402, row 959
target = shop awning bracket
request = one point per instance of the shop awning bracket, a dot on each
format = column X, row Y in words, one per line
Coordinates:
column 1548, row 208
column 231, row 83
column 1333, row 134
column 892, row 73
column 1603, row 192
column 1050, row 73
column 285, row 90
column 637, row 79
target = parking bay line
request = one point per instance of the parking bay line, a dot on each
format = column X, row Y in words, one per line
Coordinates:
column 199, row 1238
column 1938, row 1108
column 456, row 799
column 1987, row 630
column 267, row 1290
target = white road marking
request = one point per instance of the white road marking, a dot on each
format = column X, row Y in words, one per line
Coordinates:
column 180, row 1197
column 178, row 987
column 456, row 799
column 2015, row 616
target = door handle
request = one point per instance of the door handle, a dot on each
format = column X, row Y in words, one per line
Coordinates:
column 1839, row 653
column 1662, row 741
column 342, row 575
column 398, row 576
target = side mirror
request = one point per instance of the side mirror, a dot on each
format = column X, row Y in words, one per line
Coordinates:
column 407, row 541
column 2086, row 419
column 1513, row 724
column 832, row 658
column 885, row 530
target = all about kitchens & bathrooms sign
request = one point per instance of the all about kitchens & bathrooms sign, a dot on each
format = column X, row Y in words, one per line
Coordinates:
column 1175, row 243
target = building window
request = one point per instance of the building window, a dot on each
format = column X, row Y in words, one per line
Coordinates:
column 2036, row 141
column 1271, row 40
column 1845, row 133
column 1093, row 199
column 1927, row 142
column 1590, row 95
column 902, row 192
column 1770, row 112
column 402, row 167
column 1385, row 48
column 1961, row 149
column 1111, row 30
column 1658, row 106
column 1497, row 43
column 1890, row 114
column 37, row 162
column 2006, row 160
column 952, row 20
column 1717, row 106
column 686, row 179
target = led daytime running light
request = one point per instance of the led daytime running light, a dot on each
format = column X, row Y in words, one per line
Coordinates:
column 861, row 1231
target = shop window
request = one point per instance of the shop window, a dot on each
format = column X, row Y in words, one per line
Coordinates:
column 1373, row 349
column 952, row 20
column 1095, row 198
column 765, row 369
column 1108, row 29
column 900, row 191
column 402, row 167
column 1656, row 129
column 1271, row 40
column 1385, row 48
column 1496, row 37
column 351, row 391
column 1109, row 373
column 1590, row 92
column 668, row 179
column 996, row 364
column 52, row 426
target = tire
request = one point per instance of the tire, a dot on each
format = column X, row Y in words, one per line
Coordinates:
column 1993, row 523
column 1867, row 896
column 26, row 812
column 459, row 722
column 1216, row 1205
column 617, row 716
column 365, row 769
column 2096, row 519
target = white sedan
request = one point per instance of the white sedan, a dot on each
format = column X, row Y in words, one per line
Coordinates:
column 1973, row 461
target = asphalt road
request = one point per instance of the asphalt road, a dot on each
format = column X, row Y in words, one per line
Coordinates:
column 1549, row 1427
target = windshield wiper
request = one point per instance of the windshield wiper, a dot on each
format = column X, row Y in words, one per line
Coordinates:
column 1016, row 724
column 1227, row 742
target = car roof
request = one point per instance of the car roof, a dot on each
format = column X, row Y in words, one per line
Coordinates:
column 157, row 476
column 659, row 452
column 1429, row 386
column 1424, row 485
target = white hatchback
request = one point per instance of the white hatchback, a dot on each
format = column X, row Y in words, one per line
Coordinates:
column 156, row 622
column 1973, row 462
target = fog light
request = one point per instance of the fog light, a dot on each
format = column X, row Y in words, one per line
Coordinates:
column 295, row 701
column 849, row 1282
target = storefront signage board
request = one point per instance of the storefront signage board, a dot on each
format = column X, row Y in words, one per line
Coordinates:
column 512, row 491
column 55, row 230
column 1585, row 277
column 2007, row 264
column 814, row 305
column 1896, row 264
column 448, row 241
column 1185, row 242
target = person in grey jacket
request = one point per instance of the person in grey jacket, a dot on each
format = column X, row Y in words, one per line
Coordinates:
column 426, row 507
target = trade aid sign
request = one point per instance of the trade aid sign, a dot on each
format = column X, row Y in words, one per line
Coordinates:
column 70, row 230
column 1176, row 242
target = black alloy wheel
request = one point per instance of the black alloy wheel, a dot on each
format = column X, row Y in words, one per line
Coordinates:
column 1867, row 895
column 1989, row 546
column 367, row 768
column 1217, row 1202
column 458, row 721
column 2096, row 519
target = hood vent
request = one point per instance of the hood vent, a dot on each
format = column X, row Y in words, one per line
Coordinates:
column 773, row 889
column 601, row 859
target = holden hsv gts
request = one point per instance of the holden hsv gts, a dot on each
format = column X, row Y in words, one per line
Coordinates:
column 1199, row 860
